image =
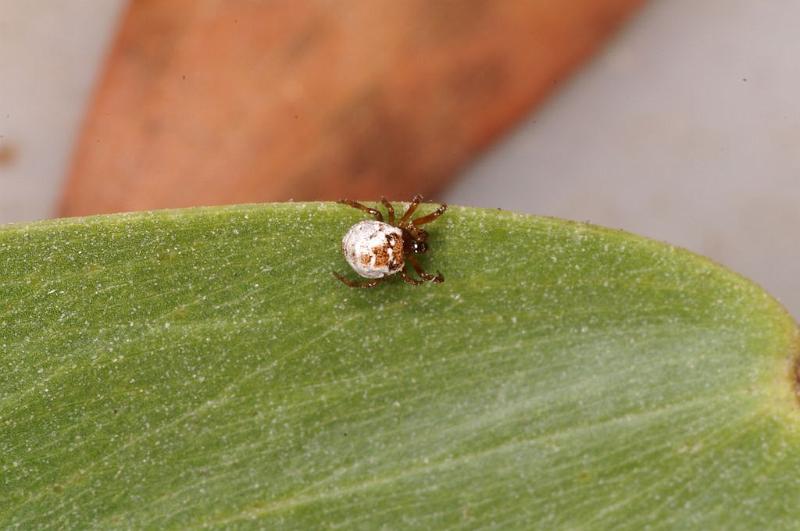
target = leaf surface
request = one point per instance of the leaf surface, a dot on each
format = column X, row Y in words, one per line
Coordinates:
column 203, row 368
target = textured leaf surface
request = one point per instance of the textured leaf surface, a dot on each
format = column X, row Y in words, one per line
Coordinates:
column 203, row 368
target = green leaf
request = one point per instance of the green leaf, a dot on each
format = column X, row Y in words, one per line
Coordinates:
column 203, row 368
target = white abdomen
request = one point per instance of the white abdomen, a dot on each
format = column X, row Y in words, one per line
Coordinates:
column 373, row 249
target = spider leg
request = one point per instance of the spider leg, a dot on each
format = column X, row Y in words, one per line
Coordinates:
column 437, row 278
column 411, row 208
column 407, row 278
column 389, row 209
column 371, row 283
column 430, row 217
column 368, row 210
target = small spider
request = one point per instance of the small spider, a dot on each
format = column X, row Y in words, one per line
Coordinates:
column 377, row 250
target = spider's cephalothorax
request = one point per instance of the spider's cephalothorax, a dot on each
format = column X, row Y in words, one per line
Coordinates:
column 377, row 250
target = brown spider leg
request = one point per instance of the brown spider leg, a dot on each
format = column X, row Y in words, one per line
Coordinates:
column 371, row 283
column 430, row 217
column 389, row 209
column 437, row 278
column 411, row 208
column 407, row 278
column 368, row 210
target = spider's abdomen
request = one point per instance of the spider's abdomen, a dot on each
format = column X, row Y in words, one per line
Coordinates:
column 373, row 249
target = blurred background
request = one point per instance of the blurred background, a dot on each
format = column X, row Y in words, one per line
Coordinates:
column 678, row 120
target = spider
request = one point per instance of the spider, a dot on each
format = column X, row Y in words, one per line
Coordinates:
column 377, row 250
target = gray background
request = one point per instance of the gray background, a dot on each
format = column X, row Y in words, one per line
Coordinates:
column 685, row 129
